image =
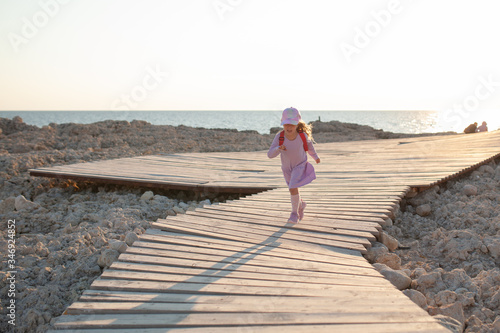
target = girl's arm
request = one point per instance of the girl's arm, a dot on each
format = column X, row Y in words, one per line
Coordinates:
column 274, row 150
column 312, row 151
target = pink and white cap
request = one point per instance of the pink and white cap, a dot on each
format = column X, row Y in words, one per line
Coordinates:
column 290, row 116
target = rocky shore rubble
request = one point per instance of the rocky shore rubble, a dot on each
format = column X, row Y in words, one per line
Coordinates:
column 443, row 250
column 67, row 232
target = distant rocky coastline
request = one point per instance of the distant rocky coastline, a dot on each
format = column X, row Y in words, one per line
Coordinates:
column 68, row 232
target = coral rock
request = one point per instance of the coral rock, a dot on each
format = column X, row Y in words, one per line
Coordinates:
column 389, row 241
column 398, row 278
column 454, row 311
column 376, row 250
column 178, row 210
column 118, row 246
column 496, row 324
column 107, row 257
column 7, row 205
column 390, row 259
column 494, row 301
column 470, row 190
column 424, row 210
column 429, row 280
column 450, row 323
column 445, row 297
column 493, row 246
column 497, row 173
column 147, row 196
column 130, row 238
column 486, row 169
column 21, row 203
column 417, row 297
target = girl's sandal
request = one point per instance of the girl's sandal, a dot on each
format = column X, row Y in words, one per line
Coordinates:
column 294, row 218
column 301, row 209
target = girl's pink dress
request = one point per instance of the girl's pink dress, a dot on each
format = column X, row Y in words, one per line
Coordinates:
column 297, row 171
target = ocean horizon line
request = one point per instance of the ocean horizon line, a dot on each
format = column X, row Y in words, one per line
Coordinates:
column 403, row 121
column 214, row 110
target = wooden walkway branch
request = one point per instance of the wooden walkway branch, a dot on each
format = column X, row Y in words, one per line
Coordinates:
column 238, row 266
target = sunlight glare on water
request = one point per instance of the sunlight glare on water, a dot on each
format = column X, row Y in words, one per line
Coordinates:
column 458, row 120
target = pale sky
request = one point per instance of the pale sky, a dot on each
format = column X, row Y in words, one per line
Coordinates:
column 250, row 55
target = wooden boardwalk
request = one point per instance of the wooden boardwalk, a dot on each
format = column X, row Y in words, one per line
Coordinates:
column 239, row 267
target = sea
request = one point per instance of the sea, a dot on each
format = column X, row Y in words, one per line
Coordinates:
column 261, row 121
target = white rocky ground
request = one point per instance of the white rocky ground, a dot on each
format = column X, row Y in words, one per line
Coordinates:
column 66, row 233
column 452, row 266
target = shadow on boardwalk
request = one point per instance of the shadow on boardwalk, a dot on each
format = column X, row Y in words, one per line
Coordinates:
column 219, row 270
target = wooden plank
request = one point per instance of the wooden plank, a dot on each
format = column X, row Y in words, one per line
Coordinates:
column 333, row 200
column 286, row 231
column 357, row 230
column 427, row 327
column 238, row 266
column 373, row 195
column 333, row 278
column 180, row 162
column 209, row 231
column 273, row 252
column 372, row 219
column 212, row 288
column 156, row 235
column 257, row 260
column 167, row 320
column 284, row 304
column 277, row 218
column 114, row 176
column 254, row 260
column 219, row 279
column 385, row 296
column 332, row 207
column 174, row 185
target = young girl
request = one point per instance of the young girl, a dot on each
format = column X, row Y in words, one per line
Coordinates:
column 297, row 171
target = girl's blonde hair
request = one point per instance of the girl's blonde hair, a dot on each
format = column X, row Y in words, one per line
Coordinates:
column 306, row 128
